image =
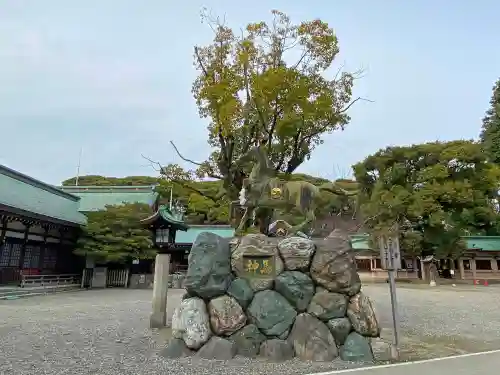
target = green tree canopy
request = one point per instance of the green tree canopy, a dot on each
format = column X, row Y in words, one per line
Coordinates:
column 435, row 192
column 490, row 132
column 116, row 235
column 268, row 80
column 200, row 209
column 95, row 180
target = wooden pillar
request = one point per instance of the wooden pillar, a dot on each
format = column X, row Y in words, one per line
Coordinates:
column 43, row 248
column 59, row 254
column 494, row 265
column 23, row 247
column 2, row 234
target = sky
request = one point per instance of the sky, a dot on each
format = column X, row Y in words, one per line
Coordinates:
column 113, row 78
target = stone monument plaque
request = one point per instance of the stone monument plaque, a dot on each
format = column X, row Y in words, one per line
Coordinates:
column 258, row 266
column 256, row 259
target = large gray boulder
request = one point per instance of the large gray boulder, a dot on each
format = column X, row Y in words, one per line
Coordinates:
column 226, row 315
column 356, row 348
column 241, row 291
column 333, row 265
column 296, row 253
column 217, row 348
column 326, row 305
column 191, row 323
column 312, row 340
column 271, row 313
column 176, row 348
column 296, row 287
column 276, row 350
column 248, row 341
column 209, row 266
column 340, row 328
column 362, row 316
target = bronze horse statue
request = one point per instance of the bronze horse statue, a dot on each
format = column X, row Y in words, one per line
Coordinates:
column 263, row 189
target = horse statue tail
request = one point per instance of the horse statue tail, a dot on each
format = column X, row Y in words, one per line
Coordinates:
column 333, row 188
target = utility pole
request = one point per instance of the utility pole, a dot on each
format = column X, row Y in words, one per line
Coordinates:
column 171, row 197
column 78, row 167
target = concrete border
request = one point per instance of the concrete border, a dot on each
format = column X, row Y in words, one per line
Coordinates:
column 401, row 364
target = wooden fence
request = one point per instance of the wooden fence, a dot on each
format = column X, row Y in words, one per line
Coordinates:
column 117, row 278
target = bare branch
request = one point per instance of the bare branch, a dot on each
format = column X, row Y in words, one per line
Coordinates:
column 354, row 101
column 358, row 227
column 154, row 164
column 182, row 157
column 185, row 184
column 200, row 63
column 339, row 70
column 304, row 54
column 188, row 186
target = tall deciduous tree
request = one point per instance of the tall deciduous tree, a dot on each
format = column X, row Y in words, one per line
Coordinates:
column 268, row 80
column 490, row 132
column 435, row 192
column 116, row 235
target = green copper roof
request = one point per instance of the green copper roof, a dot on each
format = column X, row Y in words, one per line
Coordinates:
column 164, row 214
column 95, row 198
column 360, row 242
column 479, row 243
column 483, row 243
column 21, row 192
column 194, row 230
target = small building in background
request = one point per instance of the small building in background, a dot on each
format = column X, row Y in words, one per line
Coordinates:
column 172, row 235
column 39, row 226
column 184, row 241
column 481, row 261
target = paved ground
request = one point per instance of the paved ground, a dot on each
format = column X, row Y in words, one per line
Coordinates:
column 106, row 332
column 481, row 364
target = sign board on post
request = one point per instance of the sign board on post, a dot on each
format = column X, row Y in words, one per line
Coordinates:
column 390, row 255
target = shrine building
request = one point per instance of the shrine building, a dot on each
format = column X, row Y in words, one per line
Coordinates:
column 39, row 225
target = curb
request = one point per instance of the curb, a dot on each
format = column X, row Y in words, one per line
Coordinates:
column 12, row 297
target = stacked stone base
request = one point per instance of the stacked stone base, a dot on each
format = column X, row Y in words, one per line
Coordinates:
column 310, row 306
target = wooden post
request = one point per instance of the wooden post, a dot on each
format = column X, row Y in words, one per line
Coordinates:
column 23, row 247
column 43, row 248
column 2, row 234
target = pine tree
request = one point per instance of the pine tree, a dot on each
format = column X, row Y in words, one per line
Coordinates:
column 490, row 132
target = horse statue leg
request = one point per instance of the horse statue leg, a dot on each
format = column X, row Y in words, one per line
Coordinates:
column 310, row 217
column 244, row 218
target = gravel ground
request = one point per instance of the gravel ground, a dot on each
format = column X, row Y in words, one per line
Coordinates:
column 106, row 332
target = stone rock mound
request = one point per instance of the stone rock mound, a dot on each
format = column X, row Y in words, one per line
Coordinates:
column 277, row 298
column 209, row 266
column 296, row 287
column 271, row 313
column 333, row 266
column 226, row 315
column 296, row 253
column 277, row 350
column 248, row 341
column 191, row 323
column 312, row 340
